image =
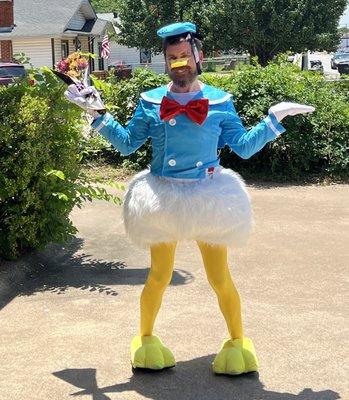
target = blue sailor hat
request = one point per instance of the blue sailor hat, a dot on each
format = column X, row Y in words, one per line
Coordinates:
column 176, row 29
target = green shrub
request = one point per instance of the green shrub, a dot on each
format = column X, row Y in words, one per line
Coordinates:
column 313, row 145
column 40, row 178
column 211, row 65
column 95, row 147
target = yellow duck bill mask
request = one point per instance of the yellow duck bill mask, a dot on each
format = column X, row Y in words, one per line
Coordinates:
column 181, row 62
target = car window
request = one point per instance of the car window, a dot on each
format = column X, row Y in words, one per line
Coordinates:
column 12, row 71
column 342, row 55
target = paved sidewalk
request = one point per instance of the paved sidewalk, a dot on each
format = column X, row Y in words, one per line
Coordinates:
column 65, row 329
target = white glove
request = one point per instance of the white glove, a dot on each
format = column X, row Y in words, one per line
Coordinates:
column 86, row 98
column 283, row 109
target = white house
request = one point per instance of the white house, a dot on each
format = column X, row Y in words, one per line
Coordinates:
column 131, row 55
column 48, row 30
column 344, row 43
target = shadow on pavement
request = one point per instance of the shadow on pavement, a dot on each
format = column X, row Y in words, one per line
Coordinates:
column 189, row 380
column 59, row 268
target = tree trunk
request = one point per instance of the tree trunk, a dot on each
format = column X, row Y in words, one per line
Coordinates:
column 263, row 56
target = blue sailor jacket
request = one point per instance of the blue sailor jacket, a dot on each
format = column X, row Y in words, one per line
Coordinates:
column 181, row 148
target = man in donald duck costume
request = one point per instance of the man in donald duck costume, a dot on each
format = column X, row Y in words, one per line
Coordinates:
column 186, row 194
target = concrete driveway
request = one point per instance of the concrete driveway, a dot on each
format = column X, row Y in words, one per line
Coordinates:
column 325, row 58
column 68, row 314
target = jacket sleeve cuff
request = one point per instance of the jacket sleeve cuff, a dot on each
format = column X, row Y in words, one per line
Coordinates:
column 274, row 124
column 100, row 122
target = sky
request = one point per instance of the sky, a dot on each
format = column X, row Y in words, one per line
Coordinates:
column 345, row 18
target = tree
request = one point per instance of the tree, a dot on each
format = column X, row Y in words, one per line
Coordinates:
column 104, row 6
column 270, row 27
column 263, row 28
column 141, row 19
column 343, row 30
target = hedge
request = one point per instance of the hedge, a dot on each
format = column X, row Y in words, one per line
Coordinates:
column 40, row 165
column 313, row 145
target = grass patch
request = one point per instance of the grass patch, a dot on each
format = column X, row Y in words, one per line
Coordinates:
column 107, row 172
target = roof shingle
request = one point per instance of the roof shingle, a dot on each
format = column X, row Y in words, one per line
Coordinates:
column 44, row 17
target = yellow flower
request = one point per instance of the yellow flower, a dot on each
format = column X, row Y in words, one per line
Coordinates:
column 73, row 74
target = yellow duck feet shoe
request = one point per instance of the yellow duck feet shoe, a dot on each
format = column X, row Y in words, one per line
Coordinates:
column 148, row 352
column 236, row 357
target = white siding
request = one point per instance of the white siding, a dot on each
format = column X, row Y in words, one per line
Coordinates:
column 77, row 22
column 40, row 53
column 37, row 49
column 84, row 43
column 58, row 49
column 72, row 46
column 123, row 53
column 131, row 56
column 158, row 63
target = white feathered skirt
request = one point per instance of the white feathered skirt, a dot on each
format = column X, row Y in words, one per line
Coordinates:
column 215, row 210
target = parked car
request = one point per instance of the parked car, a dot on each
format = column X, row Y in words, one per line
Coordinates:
column 10, row 71
column 339, row 57
column 343, row 67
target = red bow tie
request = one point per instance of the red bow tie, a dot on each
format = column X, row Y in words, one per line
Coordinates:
column 196, row 110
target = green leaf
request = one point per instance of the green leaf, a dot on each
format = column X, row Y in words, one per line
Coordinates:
column 61, row 196
column 59, row 174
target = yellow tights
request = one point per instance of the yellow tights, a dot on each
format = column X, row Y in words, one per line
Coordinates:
column 237, row 354
column 160, row 274
column 218, row 275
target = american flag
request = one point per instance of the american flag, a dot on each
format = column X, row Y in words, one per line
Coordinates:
column 105, row 49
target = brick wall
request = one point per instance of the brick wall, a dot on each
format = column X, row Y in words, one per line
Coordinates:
column 5, row 50
column 6, row 25
column 6, row 14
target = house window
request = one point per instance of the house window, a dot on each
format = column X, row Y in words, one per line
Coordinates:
column 64, row 48
column 145, row 56
column 100, row 59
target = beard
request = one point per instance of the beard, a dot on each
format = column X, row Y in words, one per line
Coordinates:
column 183, row 80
